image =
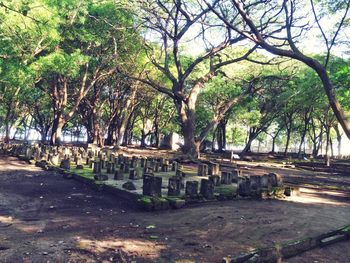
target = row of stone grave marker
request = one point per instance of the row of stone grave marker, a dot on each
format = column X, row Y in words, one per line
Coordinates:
column 99, row 159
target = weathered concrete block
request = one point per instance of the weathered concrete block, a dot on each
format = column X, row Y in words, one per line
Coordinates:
column 207, row 188
column 275, row 179
column 96, row 167
column 175, row 166
column 126, row 167
column 147, row 174
column 297, row 247
column 65, row 164
column 255, row 185
column 152, row 186
column 216, row 179
column 213, row 168
column 180, row 173
column 143, row 162
column 243, row 186
column 202, row 170
column 165, row 168
column 129, row 186
column 133, row 174
column 235, row 174
column 118, row 175
column 291, row 191
column 191, row 189
column 174, row 186
column 55, row 159
column 177, row 203
column 226, row 178
column 109, row 167
column 265, row 182
column 156, row 167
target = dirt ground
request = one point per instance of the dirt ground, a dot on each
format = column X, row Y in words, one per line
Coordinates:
column 45, row 218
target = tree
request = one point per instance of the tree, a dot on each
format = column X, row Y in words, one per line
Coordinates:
column 85, row 55
column 169, row 26
column 277, row 26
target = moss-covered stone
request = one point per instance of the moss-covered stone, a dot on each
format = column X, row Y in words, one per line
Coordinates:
column 160, row 203
column 145, row 203
column 149, row 203
column 176, row 203
column 278, row 191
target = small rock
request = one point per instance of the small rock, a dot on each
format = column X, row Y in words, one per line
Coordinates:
column 129, row 186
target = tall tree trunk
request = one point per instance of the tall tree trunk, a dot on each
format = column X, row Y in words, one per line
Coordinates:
column 331, row 147
column 213, row 140
column 27, row 128
column 43, row 134
column 247, row 148
column 302, row 141
column 156, row 136
column 191, row 146
column 7, row 133
column 187, row 120
column 339, row 139
column 89, row 129
column 143, row 139
column 57, row 127
column 111, row 132
column 224, row 134
column 221, row 135
column 128, row 128
column 327, row 161
column 287, row 142
column 219, row 138
column 319, row 144
column 251, row 137
column 273, row 144
column 274, row 137
column 97, row 136
column 303, row 134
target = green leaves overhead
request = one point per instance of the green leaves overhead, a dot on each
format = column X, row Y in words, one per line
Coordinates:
column 60, row 63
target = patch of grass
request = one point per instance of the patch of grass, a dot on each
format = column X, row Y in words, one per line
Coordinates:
column 86, row 172
column 165, row 174
column 226, row 189
column 145, row 199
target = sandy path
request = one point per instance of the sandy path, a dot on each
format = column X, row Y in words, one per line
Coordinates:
column 46, row 218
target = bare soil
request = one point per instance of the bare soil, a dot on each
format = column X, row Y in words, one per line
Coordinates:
column 45, row 218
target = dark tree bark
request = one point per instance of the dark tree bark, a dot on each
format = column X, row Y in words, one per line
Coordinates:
column 288, row 124
column 221, row 135
column 274, row 138
column 306, row 118
column 253, row 134
column 339, row 139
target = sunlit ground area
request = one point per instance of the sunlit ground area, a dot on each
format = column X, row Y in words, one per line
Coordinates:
column 46, row 218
